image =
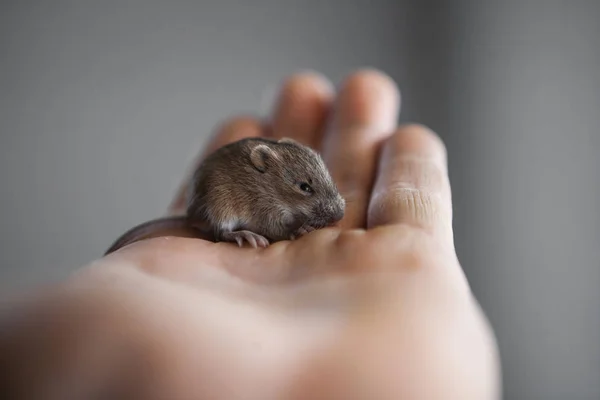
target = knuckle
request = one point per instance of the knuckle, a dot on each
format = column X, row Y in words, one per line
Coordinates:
column 422, row 206
column 419, row 208
column 414, row 172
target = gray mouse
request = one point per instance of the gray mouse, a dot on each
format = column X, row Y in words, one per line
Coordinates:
column 256, row 190
column 263, row 190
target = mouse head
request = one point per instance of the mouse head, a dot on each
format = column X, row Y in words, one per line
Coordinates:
column 299, row 181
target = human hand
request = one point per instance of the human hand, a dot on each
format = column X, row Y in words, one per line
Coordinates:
column 376, row 308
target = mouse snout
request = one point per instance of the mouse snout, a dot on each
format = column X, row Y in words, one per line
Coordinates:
column 337, row 209
column 331, row 212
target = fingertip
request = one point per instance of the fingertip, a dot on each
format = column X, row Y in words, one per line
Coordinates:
column 237, row 122
column 308, row 82
column 238, row 128
column 365, row 92
column 370, row 76
column 234, row 129
column 301, row 108
column 418, row 140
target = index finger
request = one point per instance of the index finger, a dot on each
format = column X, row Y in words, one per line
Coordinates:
column 413, row 186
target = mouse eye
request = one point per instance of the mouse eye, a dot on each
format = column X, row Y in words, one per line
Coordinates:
column 305, row 187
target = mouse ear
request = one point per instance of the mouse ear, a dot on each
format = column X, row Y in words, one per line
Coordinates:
column 260, row 156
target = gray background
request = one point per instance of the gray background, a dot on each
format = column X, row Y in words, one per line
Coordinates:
column 103, row 104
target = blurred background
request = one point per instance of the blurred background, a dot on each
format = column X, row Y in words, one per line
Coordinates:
column 103, row 105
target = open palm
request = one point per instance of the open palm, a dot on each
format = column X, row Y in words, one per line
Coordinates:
column 376, row 308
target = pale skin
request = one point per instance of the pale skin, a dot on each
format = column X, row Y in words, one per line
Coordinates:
column 375, row 308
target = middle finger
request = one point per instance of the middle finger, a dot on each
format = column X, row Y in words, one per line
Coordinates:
column 366, row 113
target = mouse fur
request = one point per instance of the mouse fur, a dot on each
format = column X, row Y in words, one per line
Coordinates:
column 263, row 190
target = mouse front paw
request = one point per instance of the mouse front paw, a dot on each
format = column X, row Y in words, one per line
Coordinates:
column 239, row 237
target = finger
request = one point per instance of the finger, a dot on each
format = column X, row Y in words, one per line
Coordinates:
column 413, row 186
column 302, row 108
column 365, row 114
column 230, row 131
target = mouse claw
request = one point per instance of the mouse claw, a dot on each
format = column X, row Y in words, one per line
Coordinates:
column 252, row 241
column 263, row 242
column 255, row 240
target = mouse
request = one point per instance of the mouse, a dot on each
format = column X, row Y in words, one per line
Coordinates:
column 263, row 190
column 256, row 191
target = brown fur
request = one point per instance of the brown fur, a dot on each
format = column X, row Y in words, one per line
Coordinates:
column 254, row 185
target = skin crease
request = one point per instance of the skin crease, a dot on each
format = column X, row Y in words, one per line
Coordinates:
column 375, row 308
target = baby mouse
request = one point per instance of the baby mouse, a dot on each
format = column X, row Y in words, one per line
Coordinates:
column 263, row 190
column 255, row 190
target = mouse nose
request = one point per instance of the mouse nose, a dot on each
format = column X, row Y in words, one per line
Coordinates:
column 336, row 210
column 338, row 214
